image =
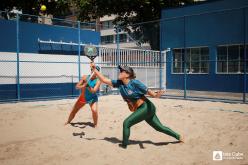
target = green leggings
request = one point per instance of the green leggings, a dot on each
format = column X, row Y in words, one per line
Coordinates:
column 145, row 112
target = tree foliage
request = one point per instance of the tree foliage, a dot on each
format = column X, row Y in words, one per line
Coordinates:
column 130, row 15
column 57, row 8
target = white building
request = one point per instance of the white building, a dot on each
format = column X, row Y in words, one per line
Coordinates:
column 109, row 36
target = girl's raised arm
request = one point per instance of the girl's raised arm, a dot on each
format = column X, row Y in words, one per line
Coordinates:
column 101, row 77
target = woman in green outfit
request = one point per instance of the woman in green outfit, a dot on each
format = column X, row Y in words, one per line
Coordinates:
column 133, row 92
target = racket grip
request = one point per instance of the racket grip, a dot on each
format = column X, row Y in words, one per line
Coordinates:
column 91, row 75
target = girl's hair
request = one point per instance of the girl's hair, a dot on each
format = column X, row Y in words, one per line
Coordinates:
column 128, row 70
column 132, row 74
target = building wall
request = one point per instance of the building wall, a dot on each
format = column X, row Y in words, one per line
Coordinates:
column 210, row 24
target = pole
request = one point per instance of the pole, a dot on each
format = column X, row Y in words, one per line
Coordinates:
column 245, row 59
column 184, row 60
column 79, row 53
column 118, row 48
column 160, row 59
column 18, row 58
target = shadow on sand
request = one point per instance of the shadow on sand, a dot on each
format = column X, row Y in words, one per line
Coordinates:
column 82, row 124
column 140, row 143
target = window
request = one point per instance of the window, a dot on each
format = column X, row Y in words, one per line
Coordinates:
column 230, row 59
column 242, row 59
column 107, row 39
column 196, row 60
column 222, row 59
column 107, row 25
column 193, row 60
column 123, row 38
column 204, row 61
column 177, row 61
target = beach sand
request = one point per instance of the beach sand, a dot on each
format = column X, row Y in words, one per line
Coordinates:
column 33, row 133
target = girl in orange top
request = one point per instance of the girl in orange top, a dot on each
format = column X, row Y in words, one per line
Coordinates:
column 89, row 87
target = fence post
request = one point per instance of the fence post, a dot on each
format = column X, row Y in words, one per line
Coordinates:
column 118, row 47
column 155, row 68
column 165, row 68
column 146, row 77
column 160, row 70
column 79, row 52
column 184, row 60
column 185, row 76
column 118, row 51
column 160, row 56
column 18, row 58
column 245, row 53
column 72, row 86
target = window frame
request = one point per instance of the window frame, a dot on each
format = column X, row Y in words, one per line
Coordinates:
column 124, row 39
column 108, row 24
column 198, row 73
column 239, row 58
column 104, row 43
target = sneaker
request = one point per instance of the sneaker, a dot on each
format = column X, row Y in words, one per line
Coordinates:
column 123, row 146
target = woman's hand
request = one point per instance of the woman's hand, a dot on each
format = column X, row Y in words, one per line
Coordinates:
column 159, row 93
column 155, row 94
column 80, row 86
column 82, row 83
column 92, row 65
column 101, row 77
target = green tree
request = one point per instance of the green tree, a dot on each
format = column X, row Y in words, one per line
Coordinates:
column 130, row 14
column 57, row 8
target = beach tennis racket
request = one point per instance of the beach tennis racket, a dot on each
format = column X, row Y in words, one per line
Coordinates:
column 91, row 52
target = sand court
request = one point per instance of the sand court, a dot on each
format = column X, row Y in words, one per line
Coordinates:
column 33, row 133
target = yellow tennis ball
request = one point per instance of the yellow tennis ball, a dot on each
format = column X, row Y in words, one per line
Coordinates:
column 43, row 8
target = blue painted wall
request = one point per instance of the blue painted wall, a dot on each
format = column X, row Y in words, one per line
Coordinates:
column 32, row 91
column 8, row 36
column 30, row 32
column 220, row 22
